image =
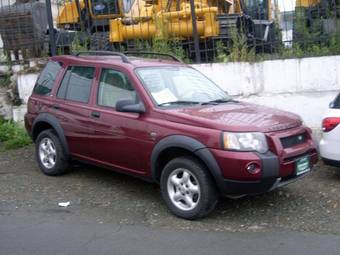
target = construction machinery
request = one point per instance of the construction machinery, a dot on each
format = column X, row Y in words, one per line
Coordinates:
column 23, row 28
column 111, row 23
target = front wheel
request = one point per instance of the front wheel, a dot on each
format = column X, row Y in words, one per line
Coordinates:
column 188, row 189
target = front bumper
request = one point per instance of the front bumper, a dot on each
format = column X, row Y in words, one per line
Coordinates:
column 239, row 188
column 275, row 171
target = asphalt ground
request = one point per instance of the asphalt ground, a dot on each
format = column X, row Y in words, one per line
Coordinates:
column 110, row 213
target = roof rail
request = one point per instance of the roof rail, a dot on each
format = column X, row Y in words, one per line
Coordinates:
column 153, row 53
column 104, row 53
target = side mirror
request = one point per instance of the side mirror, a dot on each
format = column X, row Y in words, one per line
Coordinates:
column 331, row 104
column 129, row 106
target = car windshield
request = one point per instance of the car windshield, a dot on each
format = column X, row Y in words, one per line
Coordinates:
column 180, row 86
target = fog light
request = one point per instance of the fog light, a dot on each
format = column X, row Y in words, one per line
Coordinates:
column 253, row 168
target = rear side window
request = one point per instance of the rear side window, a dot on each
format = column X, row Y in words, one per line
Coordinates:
column 336, row 104
column 76, row 84
column 47, row 78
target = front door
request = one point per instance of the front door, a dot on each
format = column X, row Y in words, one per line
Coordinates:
column 118, row 139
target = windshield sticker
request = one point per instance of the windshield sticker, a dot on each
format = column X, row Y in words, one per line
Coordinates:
column 164, row 96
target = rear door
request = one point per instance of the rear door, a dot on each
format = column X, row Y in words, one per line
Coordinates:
column 118, row 139
column 72, row 107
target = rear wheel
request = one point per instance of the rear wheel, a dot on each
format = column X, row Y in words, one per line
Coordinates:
column 49, row 153
column 188, row 189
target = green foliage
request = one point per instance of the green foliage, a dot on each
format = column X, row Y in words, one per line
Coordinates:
column 3, row 57
column 12, row 135
column 77, row 45
column 331, row 47
column 310, row 39
column 221, row 55
column 5, row 80
column 306, row 33
column 239, row 50
column 159, row 45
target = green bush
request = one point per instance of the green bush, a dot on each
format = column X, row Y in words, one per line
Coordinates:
column 5, row 80
column 12, row 135
column 237, row 51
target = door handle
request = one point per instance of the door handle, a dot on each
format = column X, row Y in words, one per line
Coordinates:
column 95, row 114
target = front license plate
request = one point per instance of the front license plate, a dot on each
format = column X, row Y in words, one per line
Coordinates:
column 302, row 165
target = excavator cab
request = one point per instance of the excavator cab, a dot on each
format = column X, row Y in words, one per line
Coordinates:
column 92, row 12
column 104, row 7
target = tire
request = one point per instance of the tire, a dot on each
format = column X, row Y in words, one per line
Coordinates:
column 50, row 155
column 189, row 197
column 100, row 41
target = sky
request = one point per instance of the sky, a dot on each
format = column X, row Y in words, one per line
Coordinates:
column 286, row 5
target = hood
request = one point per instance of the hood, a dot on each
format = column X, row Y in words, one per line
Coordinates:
column 235, row 116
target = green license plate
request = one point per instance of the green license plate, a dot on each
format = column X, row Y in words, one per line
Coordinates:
column 302, row 165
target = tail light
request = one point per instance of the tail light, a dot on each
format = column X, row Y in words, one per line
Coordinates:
column 330, row 123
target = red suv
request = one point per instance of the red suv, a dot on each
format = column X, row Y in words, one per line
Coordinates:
column 163, row 121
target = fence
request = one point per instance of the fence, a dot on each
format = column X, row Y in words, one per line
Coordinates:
column 197, row 30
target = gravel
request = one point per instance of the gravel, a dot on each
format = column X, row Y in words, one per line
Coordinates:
column 102, row 196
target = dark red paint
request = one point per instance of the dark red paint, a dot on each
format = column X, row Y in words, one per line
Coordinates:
column 123, row 141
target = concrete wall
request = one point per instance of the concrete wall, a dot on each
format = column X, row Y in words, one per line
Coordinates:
column 25, row 84
column 276, row 76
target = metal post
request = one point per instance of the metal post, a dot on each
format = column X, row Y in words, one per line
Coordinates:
column 195, row 33
column 51, row 28
column 82, row 25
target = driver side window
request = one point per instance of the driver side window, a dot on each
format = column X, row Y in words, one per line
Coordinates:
column 114, row 86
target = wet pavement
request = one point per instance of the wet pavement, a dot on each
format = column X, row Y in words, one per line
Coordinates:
column 303, row 217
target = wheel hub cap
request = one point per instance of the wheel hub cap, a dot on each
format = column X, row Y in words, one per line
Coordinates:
column 183, row 189
column 47, row 153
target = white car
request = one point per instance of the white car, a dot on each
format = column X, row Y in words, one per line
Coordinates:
column 330, row 142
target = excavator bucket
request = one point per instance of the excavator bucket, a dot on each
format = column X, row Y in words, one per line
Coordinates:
column 23, row 27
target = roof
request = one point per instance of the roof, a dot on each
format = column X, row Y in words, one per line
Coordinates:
column 118, row 60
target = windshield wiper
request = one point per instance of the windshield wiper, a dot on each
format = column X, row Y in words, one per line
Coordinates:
column 178, row 102
column 219, row 101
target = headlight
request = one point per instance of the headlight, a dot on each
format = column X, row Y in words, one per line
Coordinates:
column 245, row 142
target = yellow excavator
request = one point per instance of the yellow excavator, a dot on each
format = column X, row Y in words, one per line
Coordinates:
column 116, row 22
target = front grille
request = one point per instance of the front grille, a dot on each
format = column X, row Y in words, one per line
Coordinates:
column 291, row 141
